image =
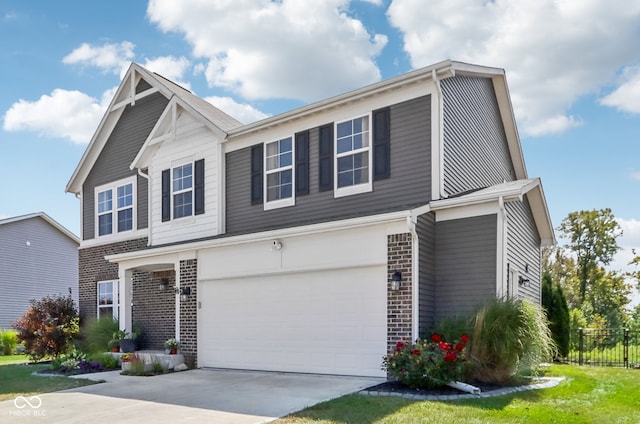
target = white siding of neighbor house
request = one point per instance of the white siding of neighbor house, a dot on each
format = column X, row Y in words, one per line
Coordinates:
column 198, row 142
column 36, row 260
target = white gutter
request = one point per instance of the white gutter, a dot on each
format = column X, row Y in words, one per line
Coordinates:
column 437, row 142
column 415, row 276
column 149, row 204
column 503, row 222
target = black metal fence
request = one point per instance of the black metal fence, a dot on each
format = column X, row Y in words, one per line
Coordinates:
column 605, row 347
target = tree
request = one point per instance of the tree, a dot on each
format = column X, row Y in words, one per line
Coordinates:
column 555, row 305
column 48, row 327
column 592, row 237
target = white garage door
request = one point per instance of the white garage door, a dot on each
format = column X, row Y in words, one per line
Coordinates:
column 329, row 322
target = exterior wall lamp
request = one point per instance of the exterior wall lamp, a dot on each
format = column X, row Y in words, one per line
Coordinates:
column 164, row 283
column 396, row 279
column 185, row 292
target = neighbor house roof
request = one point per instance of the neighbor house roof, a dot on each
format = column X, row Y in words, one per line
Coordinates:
column 47, row 219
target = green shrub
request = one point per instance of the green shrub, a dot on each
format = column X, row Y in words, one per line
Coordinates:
column 8, row 342
column 557, row 312
column 48, row 327
column 427, row 363
column 97, row 334
column 510, row 338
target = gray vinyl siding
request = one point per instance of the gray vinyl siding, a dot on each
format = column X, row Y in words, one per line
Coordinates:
column 426, row 231
column 465, row 264
column 48, row 265
column 408, row 186
column 476, row 154
column 123, row 145
column 523, row 248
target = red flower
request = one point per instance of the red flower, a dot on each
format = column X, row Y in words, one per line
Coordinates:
column 416, row 352
column 445, row 346
column 464, row 338
column 399, row 345
column 460, row 347
column 450, row 356
column 436, row 338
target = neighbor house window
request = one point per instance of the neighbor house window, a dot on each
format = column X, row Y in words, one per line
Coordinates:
column 278, row 169
column 108, row 299
column 183, row 190
column 115, row 208
column 352, row 157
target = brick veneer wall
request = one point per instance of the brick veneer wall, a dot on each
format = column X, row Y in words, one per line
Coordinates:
column 399, row 303
column 154, row 310
column 92, row 267
column 188, row 312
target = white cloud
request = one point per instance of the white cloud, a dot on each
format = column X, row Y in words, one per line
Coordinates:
column 62, row 114
column 170, row 67
column 629, row 241
column 627, row 96
column 553, row 51
column 242, row 112
column 373, row 2
column 110, row 57
column 635, row 175
column 285, row 49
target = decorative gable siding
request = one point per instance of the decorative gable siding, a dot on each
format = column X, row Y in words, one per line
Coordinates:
column 123, row 145
column 409, row 184
column 523, row 249
column 476, row 154
column 465, row 264
column 35, row 260
column 195, row 144
column 426, row 230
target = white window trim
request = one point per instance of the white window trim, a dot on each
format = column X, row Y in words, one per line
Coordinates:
column 114, row 208
column 116, row 298
column 289, row 201
column 357, row 188
column 192, row 190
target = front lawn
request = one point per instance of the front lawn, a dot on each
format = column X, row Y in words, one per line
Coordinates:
column 587, row 395
column 17, row 378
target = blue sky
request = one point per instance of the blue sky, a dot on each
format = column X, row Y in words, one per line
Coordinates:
column 573, row 69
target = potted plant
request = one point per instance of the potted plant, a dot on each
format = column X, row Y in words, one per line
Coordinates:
column 128, row 341
column 114, row 345
column 172, row 346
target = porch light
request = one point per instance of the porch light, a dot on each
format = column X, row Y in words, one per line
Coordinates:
column 164, row 283
column 185, row 292
column 396, row 279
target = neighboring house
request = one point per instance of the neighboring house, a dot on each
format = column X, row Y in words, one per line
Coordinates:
column 38, row 258
column 284, row 236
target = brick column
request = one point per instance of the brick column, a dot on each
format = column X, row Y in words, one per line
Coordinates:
column 189, row 312
column 399, row 303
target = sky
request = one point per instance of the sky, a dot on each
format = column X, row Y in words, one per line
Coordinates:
column 572, row 66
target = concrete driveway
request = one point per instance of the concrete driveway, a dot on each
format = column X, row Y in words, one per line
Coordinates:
column 201, row 395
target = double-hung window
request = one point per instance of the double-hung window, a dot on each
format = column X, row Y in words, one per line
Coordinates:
column 108, row 299
column 279, row 173
column 115, row 208
column 352, row 157
column 182, row 188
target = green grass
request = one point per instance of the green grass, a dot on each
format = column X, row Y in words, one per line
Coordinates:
column 16, row 378
column 587, row 395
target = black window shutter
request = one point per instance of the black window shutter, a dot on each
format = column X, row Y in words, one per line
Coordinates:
column 166, row 195
column 256, row 174
column 302, row 163
column 198, row 192
column 381, row 144
column 326, row 158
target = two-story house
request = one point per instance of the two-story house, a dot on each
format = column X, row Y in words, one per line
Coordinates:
column 313, row 240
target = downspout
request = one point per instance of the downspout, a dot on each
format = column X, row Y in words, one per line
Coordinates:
column 439, row 136
column 503, row 221
column 149, row 222
column 79, row 197
column 415, row 277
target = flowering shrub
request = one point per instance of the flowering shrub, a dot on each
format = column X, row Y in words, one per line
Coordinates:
column 427, row 363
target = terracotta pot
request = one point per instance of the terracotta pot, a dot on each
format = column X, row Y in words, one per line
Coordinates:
column 115, row 349
column 173, row 351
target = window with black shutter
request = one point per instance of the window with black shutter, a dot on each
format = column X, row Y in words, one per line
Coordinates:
column 302, row 163
column 198, row 192
column 326, row 158
column 381, row 144
column 256, row 174
column 166, row 195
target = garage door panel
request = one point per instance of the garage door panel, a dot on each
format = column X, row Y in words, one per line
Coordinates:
column 324, row 322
